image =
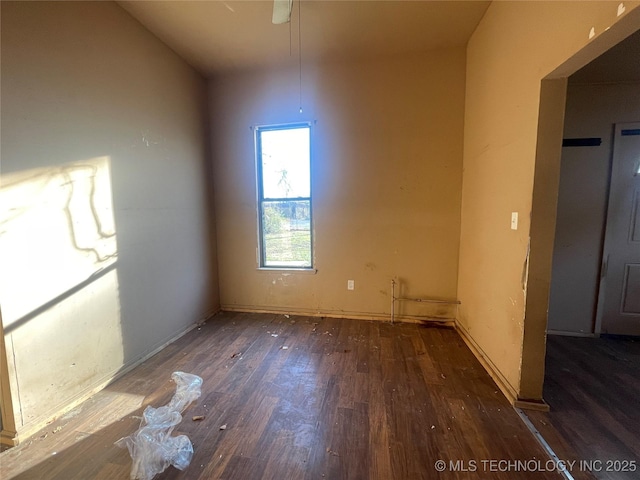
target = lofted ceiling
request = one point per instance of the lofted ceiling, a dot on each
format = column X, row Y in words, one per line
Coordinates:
column 217, row 36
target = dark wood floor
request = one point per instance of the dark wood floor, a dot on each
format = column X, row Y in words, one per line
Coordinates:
column 346, row 399
column 593, row 388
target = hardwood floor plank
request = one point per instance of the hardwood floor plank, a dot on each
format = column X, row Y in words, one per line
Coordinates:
column 346, row 399
column 592, row 386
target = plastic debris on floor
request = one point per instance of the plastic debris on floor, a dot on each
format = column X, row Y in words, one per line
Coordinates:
column 152, row 448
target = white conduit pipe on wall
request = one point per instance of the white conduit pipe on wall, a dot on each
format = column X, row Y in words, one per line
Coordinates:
column 394, row 299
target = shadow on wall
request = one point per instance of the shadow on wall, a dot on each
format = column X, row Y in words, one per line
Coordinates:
column 58, row 282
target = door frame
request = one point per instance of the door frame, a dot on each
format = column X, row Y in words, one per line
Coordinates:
column 8, row 434
column 545, row 195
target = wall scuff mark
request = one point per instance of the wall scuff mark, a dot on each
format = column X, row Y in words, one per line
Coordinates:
column 525, row 269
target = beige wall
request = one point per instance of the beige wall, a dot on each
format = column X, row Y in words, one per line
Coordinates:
column 386, row 173
column 106, row 219
column 514, row 47
column 591, row 111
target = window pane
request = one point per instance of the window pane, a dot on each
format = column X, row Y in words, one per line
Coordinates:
column 285, row 163
column 286, row 230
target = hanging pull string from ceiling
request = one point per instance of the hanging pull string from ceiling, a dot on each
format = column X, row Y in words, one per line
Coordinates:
column 300, row 50
column 290, row 49
column 282, row 10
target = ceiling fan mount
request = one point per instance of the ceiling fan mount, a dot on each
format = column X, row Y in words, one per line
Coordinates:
column 281, row 11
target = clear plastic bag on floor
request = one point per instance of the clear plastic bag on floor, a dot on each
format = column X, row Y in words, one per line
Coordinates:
column 152, row 448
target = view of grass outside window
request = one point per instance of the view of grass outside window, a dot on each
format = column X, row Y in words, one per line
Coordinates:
column 284, row 188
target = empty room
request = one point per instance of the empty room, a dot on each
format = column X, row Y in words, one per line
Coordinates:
column 319, row 240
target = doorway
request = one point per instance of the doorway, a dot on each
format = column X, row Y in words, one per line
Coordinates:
column 595, row 284
column 589, row 382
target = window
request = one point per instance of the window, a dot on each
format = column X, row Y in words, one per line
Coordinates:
column 284, row 195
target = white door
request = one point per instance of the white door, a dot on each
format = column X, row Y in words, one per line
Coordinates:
column 619, row 303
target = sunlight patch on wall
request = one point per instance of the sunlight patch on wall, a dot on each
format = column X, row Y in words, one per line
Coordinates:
column 59, row 284
column 56, row 230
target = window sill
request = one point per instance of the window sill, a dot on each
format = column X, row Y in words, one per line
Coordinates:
column 306, row 271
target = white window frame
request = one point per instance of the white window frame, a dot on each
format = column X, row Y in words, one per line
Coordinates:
column 261, row 200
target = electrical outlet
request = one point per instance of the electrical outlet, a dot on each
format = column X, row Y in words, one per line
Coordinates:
column 351, row 285
column 514, row 220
